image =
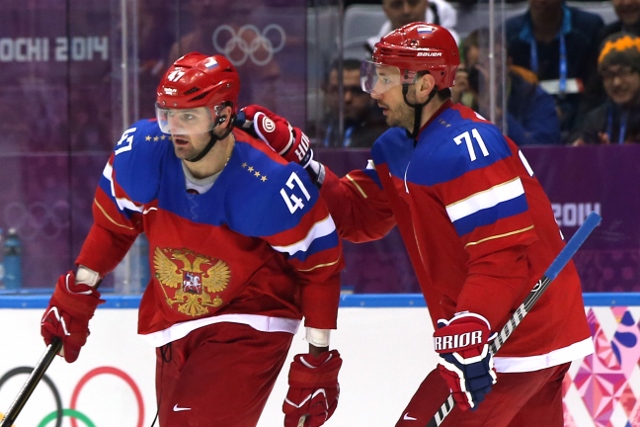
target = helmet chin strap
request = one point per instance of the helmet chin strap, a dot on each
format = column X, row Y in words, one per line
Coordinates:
column 213, row 138
column 417, row 108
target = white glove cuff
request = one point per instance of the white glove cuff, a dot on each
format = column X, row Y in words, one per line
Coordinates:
column 87, row 276
column 316, row 171
column 318, row 337
column 463, row 314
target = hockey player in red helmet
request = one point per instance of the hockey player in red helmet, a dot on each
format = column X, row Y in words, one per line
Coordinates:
column 402, row 57
column 479, row 231
column 198, row 98
column 241, row 249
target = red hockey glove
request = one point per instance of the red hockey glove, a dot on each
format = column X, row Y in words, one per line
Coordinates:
column 288, row 141
column 67, row 316
column 465, row 362
column 313, row 389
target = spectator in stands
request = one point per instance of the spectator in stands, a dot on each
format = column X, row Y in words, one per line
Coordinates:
column 617, row 119
column 628, row 12
column 559, row 43
column 363, row 119
column 531, row 117
column 402, row 12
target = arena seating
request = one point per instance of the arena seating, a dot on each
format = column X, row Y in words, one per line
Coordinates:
column 362, row 21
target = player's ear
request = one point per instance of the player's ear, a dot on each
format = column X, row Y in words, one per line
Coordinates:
column 425, row 84
column 226, row 113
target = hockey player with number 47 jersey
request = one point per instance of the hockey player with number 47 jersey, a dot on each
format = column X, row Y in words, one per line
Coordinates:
column 241, row 249
column 478, row 228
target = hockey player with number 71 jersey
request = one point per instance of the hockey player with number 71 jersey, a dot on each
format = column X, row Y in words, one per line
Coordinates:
column 478, row 228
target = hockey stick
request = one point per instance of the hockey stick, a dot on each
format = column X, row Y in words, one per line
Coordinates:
column 554, row 269
column 31, row 383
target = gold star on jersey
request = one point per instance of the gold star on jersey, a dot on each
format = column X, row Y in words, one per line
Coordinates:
column 254, row 172
column 193, row 279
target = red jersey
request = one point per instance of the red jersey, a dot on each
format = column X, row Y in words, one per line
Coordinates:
column 259, row 247
column 478, row 228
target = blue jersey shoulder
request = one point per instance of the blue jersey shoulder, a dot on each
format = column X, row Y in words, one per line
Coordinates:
column 393, row 148
column 453, row 145
column 268, row 196
column 139, row 158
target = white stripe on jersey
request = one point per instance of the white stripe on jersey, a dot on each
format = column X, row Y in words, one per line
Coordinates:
column 258, row 322
column 320, row 229
column 524, row 161
column 575, row 351
column 485, row 199
column 121, row 202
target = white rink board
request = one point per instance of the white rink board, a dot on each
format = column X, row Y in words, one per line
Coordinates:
column 386, row 377
column 386, row 351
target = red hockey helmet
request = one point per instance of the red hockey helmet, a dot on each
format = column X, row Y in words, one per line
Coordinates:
column 414, row 47
column 196, row 80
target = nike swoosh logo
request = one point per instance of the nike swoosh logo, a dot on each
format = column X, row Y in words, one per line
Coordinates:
column 177, row 408
column 408, row 418
column 146, row 211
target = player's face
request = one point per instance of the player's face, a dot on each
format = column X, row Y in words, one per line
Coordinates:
column 395, row 109
column 384, row 83
column 189, row 146
column 189, row 128
column 378, row 78
column 187, row 121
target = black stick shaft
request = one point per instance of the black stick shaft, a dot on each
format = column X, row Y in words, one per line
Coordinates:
column 31, row 383
column 554, row 269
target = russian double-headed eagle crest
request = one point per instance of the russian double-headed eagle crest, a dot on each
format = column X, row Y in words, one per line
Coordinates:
column 196, row 279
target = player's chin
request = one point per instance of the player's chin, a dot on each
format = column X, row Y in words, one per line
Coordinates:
column 182, row 152
column 391, row 120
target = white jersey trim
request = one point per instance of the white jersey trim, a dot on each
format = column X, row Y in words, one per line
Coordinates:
column 485, row 199
column 512, row 365
column 120, row 201
column 320, row 229
column 256, row 321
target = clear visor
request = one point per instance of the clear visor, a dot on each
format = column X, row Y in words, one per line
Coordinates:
column 379, row 78
column 191, row 121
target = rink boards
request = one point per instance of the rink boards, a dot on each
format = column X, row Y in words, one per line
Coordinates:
column 385, row 341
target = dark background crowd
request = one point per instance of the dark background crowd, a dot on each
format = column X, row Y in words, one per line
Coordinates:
column 75, row 74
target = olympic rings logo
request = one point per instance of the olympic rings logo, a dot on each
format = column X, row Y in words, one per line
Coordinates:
column 38, row 220
column 249, row 43
column 72, row 412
